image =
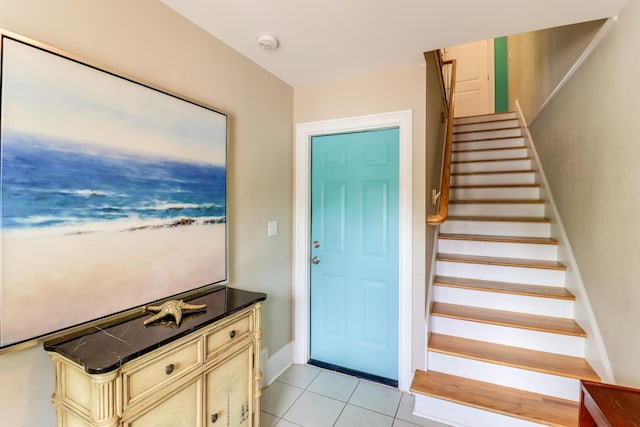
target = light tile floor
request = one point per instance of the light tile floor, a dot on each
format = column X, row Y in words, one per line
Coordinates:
column 312, row 397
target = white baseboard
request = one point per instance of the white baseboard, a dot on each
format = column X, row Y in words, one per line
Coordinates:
column 278, row 363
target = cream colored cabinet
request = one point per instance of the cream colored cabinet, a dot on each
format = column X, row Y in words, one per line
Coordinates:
column 210, row 377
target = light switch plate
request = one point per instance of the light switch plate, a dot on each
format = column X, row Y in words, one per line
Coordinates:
column 272, row 228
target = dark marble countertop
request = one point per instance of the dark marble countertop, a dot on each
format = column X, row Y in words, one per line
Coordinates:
column 102, row 350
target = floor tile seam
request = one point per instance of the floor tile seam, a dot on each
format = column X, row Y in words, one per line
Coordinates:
column 372, row 410
column 317, row 394
column 366, row 409
column 292, row 403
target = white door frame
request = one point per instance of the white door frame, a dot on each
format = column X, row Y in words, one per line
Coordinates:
column 302, row 228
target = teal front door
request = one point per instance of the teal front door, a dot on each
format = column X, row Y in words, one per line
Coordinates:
column 354, row 253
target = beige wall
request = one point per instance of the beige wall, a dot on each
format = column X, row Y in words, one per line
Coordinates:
column 587, row 139
column 147, row 41
column 539, row 60
column 392, row 90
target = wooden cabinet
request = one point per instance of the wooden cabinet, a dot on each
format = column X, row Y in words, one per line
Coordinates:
column 210, row 377
column 608, row 405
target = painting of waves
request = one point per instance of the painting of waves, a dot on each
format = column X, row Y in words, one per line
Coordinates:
column 52, row 187
column 113, row 194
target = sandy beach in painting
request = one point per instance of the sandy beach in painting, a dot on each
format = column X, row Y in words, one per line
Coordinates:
column 46, row 288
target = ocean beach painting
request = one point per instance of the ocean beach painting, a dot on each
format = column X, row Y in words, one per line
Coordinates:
column 113, row 194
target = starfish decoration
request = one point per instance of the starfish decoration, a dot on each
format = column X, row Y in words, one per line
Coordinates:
column 171, row 308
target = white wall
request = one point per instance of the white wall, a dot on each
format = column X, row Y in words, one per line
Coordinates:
column 391, row 90
column 148, row 42
column 587, row 139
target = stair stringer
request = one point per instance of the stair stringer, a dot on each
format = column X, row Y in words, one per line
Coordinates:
column 595, row 350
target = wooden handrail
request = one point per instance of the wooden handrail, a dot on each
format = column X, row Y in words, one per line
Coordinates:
column 443, row 209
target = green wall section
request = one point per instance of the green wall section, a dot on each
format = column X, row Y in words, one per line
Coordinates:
column 502, row 74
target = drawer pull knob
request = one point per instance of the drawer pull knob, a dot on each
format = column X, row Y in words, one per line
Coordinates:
column 169, row 369
column 214, row 418
column 232, row 334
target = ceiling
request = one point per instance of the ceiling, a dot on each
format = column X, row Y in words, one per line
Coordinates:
column 325, row 40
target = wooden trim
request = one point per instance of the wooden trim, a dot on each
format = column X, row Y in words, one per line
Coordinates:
column 515, row 357
column 498, row 219
column 497, row 202
column 485, row 130
column 502, row 262
column 502, row 400
column 498, row 186
column 443, row 209
column 486, row 121
column 540, row 291
column 510, row 159
column 489, row 139
column 495, row 172
column 485, row 115
column 479, row 150
column 500, row 239
column 533, row 322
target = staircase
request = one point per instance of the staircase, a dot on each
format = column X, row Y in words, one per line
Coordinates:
column 504, row 349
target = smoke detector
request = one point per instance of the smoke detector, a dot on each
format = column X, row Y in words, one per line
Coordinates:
column 268, row 41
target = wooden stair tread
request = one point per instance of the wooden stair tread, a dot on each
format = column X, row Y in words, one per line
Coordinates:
column 501, row 261
column 496, row 201
column 486, row 121
column 479, row 150
column 496, row 138
column 506, row 159
column 516, row 357
column 541, row 291
column 494, row 172
column 556, row 325
column 498, row 219
column 501, row 239
column 497, row 186
column 487, row 114
column 503, row 400
column 462, row 132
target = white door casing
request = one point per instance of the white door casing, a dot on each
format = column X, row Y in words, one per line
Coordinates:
column 301, row 231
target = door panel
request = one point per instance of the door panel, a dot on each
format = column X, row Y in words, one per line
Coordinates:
column 355, row 220
column 473, row 83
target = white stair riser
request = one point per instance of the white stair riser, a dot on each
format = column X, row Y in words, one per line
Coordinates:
column 499, row 273
column 497, row 228
column 455, row 414
column 506, row 376
column 496, row 193
column 507, row 302
column 490, row 154
column 534, row 340
column 490, row 143
column 499, row 249
column 498, row 124
column 531, row 210
column 484, row 118
column 492, row 166
column 487, row 134
column 494, row 178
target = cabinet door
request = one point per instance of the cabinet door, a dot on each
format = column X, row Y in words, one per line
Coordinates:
column 228, row 391
column 182, row 408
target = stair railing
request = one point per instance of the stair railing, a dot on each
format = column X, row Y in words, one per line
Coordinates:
column 450, row 101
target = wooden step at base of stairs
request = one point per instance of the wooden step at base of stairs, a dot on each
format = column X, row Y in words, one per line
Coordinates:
column 515, row 357
column 505, row 287
column 506, row 262
column 533, row 407
column 497, row 201
column 555, row 325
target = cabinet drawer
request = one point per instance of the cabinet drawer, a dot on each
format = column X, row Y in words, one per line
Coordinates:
column 220, row 339
column 151, row 374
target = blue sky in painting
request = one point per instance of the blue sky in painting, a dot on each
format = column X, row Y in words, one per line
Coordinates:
column 44, row 94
